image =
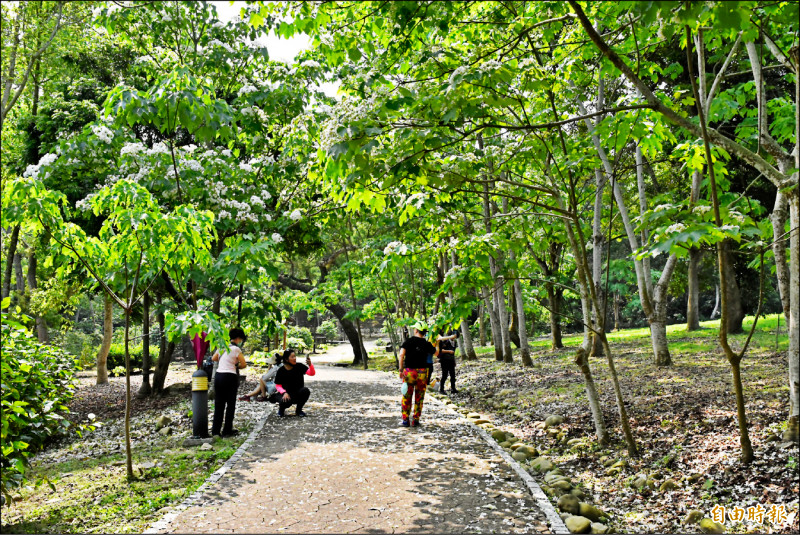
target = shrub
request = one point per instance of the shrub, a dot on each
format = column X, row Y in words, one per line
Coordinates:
column 116, row 356
column 38, row 382
column 329, row 329
column 298, row 344
column 303, row 333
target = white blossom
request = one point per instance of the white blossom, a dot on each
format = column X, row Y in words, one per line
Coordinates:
column 223, row 214
column 309, row 63
column 132, row 148
column 458, row 72
column 103, row 133
column 226, row 152
column 296, row 215
column 217, row 42
column 194, row 165
column 246, row 167
column 276, row 237
column 675, row 228
column 158, row 148
column 245, row 89
column 255, row 199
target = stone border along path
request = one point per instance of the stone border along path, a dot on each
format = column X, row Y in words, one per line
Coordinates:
column 349, row 468
column 553, row 519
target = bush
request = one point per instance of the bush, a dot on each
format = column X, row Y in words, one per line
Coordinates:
column 298, row 344
column 303, row 333
column 329, row 329
column 116, row 356
column 38, row 382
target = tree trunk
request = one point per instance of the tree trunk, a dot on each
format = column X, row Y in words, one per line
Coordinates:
column 482, row 323
column 503, row 316
column 513, row 329
column 20, row 278
column 695, row 255
column 522, row 328
column 693, row 297
column 591, row 395
column 554, row 300
column 10, row 254
column 108, row 331
column 780, row 214
column 793, row 429
column 145, row 390
column 494, row 323
column 128, row 455
column 658, row 317
column 165, row 354
column 41, row 324
column 597, row 249
column 466, row 336
column 735, row 311
column 616, row 311
column 633, row 451
column 715, row 312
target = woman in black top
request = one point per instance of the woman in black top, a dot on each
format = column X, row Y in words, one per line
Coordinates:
column 290, row 383
column 414, row 372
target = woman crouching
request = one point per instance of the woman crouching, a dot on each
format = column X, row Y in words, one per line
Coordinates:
column 289, row 382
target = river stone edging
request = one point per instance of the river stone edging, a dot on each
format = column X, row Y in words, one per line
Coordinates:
column 554, row 520
column 190, row 500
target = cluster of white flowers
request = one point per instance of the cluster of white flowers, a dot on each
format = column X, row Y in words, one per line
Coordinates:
column 490, row 66
column 217, row 42
column 193, row 165
column 132, row 148
column 246, row 167
column 103, row 133
column 675, row 228
column 226, row 153
column 729, row 228
column 253, row 111
column 309, row 63
column 703, row 208
column 395, row 247
column 458, row 72
column 45, row 161
column 255, row 199
column 277, row 238
column 296, row 215
column 663, row 207
column 417, row 199
column 158, row 148
column 218, row 24
column 736, row 216
column 223, row 214
column 245, row 89
column 144, row 59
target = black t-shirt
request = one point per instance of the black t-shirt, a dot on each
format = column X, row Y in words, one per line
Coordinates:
column 292, row 380
column 417, row 351
column 447, row 345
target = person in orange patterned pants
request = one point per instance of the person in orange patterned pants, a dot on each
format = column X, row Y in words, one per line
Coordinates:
column 414, row 372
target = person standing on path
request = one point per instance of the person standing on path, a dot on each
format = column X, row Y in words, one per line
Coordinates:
column 414, row 372
column 226, row 383
column 447, row 358
column 289, row 382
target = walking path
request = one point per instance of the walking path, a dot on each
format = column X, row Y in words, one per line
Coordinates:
column 349, row 468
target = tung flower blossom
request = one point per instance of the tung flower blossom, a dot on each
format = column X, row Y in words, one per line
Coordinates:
column 296, row 215
column 277, row 238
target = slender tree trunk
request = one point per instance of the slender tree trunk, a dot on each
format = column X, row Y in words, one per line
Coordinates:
column 695, row 255
column 501, row 306
column 693, row 293
column 466, row 337
column 793, row 429
column 513, row 331
column 494, row 323
column 128, row 455
column 162, row 366
column 779, row 217
column 522, row 328
column 10, row 254
column 597, row 251
column 20, row 278
column 145, row 390
column 715, row 312
column 554, row 300
column 105, row 347
column 41, row 324
column 633, row 451
column 616, row 311
column 591, row 395
column 482, row 323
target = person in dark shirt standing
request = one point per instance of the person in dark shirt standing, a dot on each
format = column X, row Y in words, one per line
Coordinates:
column 447, row 358
column 289, row 382
column 414, row 372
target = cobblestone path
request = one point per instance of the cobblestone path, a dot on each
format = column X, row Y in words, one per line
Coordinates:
column 348, row 468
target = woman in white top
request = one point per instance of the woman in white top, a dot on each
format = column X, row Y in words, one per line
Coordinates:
column 266, row 384
column 226, row 383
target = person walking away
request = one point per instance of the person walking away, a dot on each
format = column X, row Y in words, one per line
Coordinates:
column 266, row 383
column 289, row 382
column 226, row 383
column 414, row 372
column 447, row 359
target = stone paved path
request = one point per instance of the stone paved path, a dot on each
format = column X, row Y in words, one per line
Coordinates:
column 349, row 468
